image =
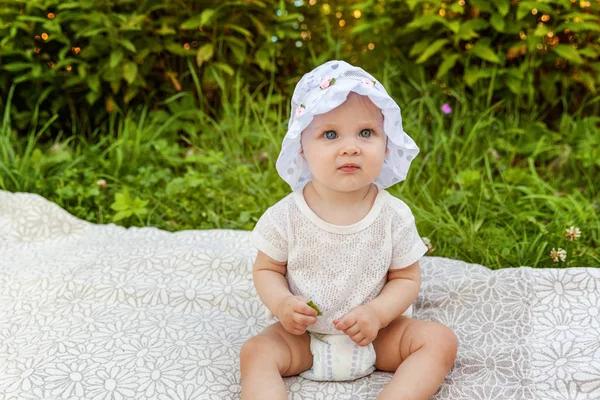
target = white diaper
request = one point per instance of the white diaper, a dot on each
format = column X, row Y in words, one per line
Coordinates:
column 338, row 358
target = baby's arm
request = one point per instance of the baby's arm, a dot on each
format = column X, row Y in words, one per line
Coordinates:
column 400, row 291
column 269, row 280
column 272, row 288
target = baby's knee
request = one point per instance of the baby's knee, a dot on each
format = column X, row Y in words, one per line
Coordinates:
column 445, row 342
column 255, row 347
column 262, row 349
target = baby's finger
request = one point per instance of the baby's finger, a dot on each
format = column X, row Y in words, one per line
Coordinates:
column 364, row 342
column 299, row 327
column 305, row 309
column 345, row 323
column 304, row 319
column 353, row 330
column 358, row 338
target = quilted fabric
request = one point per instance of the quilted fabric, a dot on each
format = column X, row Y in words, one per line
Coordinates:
column 102, row 312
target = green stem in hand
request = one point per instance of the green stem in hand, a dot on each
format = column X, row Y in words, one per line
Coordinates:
column 313, row 305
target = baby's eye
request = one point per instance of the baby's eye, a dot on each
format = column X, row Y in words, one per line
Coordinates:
column 330, row 135
column 365, row 133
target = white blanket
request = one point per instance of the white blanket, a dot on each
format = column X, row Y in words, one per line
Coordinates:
column 102, row 312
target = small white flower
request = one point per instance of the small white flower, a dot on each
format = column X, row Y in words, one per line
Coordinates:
column 573, row 233
column 427, row 242
column 558, row 254
column 101, row 183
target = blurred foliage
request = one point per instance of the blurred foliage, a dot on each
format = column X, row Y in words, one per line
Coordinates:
column 535, row 51
column 84, row 58
column 76, row 61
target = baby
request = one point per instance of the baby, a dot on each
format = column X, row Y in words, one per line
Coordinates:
column 343, row 242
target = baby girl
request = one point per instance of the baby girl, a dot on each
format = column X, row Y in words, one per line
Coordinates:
column 343, row 242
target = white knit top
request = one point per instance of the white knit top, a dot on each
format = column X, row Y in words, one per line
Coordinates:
column 338, row 267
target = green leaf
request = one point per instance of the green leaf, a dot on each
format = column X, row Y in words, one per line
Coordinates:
column 263, row 59
column 413, row 3
column 468, row 177
column 126, row 206
column 584, row 16
column 92, row 97
column 115, row 58
column 497, row 22
column 206, row 16
column 260, row 27
column 13, row 67
column 579, row 27
column 483, row 5
column 587, row 79
column 541, row 31
column 241, row 30
column 431, row 50
column 468, row 29
column 419, row 47
column 121, row 215
column 457, row 8
column 93, row 82
column 361, row 28
column 166, row 30
column 204, row 53
column 454, row 26
column 238, row 48
column 425, row 21
column 313, row 305
column 477, row 24
column 127, row 44
column 514, row 85
column 525, row 7
column 122, row 201
column 588, row 52
column 130, row 71
column 447, row 65
column 177, row 48
column 568, row 52
column 472, row 75
column 503, row 6
column 198, row 20
column 484, row 52
column 225, row 68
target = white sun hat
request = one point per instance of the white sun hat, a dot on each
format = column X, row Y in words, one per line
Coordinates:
column 325, row 88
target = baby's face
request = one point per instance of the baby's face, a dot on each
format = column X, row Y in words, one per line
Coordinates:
column 351, row 133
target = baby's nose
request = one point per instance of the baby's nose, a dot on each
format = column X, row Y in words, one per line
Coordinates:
column 350, row 149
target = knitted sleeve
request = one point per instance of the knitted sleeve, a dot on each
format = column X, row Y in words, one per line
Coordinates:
column 269, row 238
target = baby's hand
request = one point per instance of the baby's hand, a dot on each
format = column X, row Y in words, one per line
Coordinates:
column 361, row 324
column 295, row 315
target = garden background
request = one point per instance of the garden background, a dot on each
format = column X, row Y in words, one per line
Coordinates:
column 170, row 113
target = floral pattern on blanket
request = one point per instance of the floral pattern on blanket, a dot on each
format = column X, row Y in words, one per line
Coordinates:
column 102, row 312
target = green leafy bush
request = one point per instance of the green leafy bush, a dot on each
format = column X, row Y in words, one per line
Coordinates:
column 539, row 51
column 81, row 59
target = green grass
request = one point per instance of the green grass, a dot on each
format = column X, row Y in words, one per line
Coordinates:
column 492, row 185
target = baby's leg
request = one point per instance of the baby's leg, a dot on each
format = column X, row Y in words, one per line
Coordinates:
column 268, row 356
column 419, row 352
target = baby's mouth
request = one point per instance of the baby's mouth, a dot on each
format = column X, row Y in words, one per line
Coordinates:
column 349, row 168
